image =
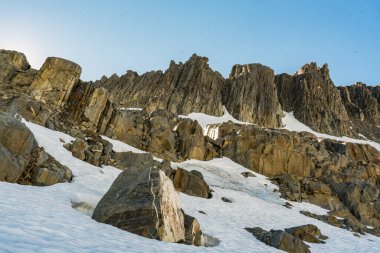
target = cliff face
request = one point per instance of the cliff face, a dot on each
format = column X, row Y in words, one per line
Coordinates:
column 363, row 108
column 361, row 103
column 315, row 101
column 249, row 94
column 182, row 89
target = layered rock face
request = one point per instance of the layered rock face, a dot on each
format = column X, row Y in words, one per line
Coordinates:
column 251, row 95
column 315, row 101
column 363, row 108
column 55, row 80
column 182, row 89
column 266, row 152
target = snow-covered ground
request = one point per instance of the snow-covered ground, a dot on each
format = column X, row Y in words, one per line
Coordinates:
column 41, row 219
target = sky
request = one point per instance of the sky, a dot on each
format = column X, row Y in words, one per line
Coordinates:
column 107, row 37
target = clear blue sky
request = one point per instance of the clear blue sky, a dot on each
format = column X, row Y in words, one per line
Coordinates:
column 108, row 36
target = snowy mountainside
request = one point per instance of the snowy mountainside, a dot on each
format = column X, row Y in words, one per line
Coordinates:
column 41, row 219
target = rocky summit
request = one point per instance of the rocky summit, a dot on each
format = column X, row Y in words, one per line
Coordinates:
column 190, row 157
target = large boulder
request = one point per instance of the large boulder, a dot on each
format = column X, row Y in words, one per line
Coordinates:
column 191, row 183
column 144, row 202
column 251, row 95
column 16, row 145
column 55, row 80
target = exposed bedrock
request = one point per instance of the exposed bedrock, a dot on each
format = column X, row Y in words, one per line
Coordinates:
column 311, row 95
column 251, row 95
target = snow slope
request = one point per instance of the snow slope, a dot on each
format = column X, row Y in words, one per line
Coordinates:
column 204, row 119
column 292, row 124
column 41, row 219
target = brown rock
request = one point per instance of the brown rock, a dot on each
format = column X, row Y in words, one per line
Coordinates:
column 309, row 233
column 280, row 240
column 16, row 145
column 55, row 81
column 191, row 183
column 251, row 95
column 191, row 142
column 78, row 149
column 96, row 105
column 315, row 101
column 11, row 62
column 182, row 89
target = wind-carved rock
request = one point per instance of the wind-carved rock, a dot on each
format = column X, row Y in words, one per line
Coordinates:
column 55, row 80
column 252, row 96
column 315, row 101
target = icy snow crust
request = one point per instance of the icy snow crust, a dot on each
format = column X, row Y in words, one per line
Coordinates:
column 41, row 219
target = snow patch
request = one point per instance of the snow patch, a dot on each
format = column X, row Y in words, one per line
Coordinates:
column 204, row 119
column 292, row 124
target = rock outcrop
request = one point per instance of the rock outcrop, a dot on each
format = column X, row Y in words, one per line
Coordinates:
column 308, row 233
column 22, row 161
column 363, row 108
column 251, row 95
column 280, row 239
column 11, row 62
column 182, row 89
column 315, row 101
column 16, row 145
column 55, row 80
column 44, row 170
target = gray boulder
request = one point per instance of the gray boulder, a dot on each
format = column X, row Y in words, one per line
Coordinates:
column 143, row 201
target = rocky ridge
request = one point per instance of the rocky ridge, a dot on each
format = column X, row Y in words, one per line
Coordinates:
column 343, row 177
